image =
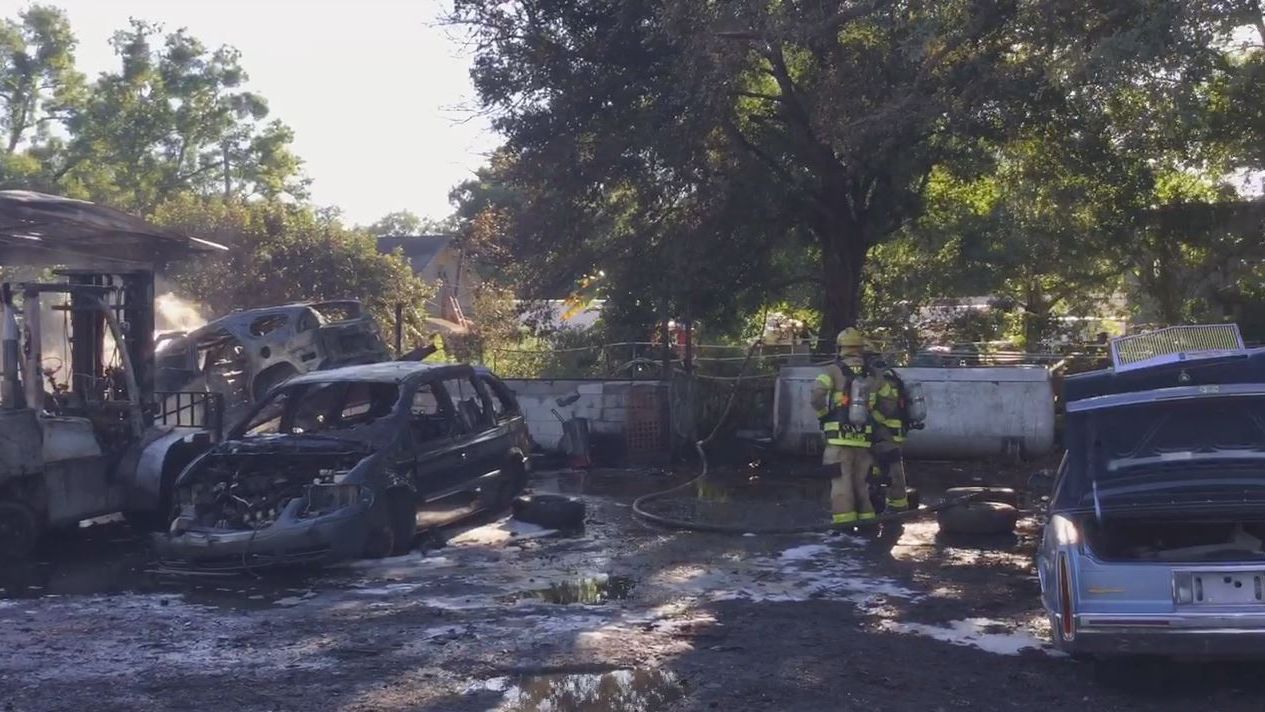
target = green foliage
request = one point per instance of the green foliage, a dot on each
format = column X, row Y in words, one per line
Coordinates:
column 174, row 117
column 282, row 253
column 38, row 81
column 704, row 155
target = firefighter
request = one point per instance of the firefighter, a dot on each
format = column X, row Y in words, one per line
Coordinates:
column 841, row 397
column 889, row 416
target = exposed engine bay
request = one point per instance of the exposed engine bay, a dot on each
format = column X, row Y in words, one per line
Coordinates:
column 1176, row 539
column 244, row 492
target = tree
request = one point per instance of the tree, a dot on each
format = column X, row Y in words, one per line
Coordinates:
column 730, row 134
column 38, row 81
column 175, row 118
column 282, row 253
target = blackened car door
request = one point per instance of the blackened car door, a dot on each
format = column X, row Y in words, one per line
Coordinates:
column 440, row 458
column 485, row 441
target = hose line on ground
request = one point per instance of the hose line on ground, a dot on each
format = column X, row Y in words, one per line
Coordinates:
column 699, row 445
column 684, row 525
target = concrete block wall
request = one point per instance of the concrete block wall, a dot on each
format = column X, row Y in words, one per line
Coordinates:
column 603, row 403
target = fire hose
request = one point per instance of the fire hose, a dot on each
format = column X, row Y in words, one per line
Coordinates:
column 639, row 511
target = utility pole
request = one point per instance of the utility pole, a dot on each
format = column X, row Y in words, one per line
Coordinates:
column 399, row 328
column 228, row 178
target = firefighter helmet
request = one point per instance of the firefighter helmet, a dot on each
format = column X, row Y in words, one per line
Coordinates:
column 850, row 338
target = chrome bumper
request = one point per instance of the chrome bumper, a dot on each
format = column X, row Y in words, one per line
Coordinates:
column 1211, row 634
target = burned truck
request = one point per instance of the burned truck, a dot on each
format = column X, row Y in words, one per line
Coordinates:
column 244, row 354
column 83, row 432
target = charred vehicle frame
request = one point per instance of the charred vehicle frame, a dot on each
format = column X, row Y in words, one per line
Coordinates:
column 350, row 462
column 83, row 432
column 244, row 354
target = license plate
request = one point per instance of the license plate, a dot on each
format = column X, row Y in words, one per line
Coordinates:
column 1227, row 587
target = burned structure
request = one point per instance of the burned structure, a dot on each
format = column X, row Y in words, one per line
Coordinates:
column 85, row 432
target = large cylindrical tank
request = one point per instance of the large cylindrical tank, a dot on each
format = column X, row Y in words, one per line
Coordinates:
column 971, row 412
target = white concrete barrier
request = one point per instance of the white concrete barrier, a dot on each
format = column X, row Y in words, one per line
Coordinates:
column 605, row 404
column 971, row 412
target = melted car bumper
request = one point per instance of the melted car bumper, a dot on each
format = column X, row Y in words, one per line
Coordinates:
column 332, row 537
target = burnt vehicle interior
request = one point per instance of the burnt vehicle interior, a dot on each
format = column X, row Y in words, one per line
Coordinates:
column 1182, row 480
column 291, row 456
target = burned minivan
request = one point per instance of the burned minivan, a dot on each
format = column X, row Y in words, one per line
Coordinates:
column 350, row 463
column 1155, row 541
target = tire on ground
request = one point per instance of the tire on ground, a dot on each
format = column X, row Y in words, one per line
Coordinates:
column 1003, row 495
column 978, row 518
column 386, row 531
column 19, row 530
column 550, row 511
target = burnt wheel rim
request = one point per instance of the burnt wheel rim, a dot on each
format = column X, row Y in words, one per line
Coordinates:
column 380, row 543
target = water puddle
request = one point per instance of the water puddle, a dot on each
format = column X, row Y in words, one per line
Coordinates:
column 594, row 590
column 617, row 691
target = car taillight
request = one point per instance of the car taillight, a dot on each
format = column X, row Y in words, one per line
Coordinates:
column 1067, row 619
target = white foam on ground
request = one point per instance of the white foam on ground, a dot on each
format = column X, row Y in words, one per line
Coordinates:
column 500, row 533
column 806, row 552
column 390, row 589
column 800, row 573
column 973, row 632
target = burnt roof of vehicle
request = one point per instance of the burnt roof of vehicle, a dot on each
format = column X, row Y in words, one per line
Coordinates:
column 244, row 316
column 385, row 372
column 1246, row 367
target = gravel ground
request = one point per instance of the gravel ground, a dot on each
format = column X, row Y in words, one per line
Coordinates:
column 623, row 617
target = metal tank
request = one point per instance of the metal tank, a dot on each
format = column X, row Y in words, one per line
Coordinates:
column 971, row 412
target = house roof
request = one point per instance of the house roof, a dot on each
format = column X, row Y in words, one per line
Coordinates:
column 41, row 229
column 419, row 249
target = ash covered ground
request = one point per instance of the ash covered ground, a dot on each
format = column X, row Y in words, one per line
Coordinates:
column 622, row 617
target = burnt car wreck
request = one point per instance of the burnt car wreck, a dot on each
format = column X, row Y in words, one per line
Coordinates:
column 347, row 463
column 244, row 354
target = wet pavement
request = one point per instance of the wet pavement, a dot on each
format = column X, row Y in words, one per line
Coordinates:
column 619, row 617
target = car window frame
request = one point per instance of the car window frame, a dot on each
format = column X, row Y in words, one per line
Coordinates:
column 442, row 399
column 485, row 423
column 499, row 390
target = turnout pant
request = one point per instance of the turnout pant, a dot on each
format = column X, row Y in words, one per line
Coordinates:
column 897, row 494
column 849, row 493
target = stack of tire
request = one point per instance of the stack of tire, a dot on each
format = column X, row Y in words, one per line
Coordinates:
column 989, row 511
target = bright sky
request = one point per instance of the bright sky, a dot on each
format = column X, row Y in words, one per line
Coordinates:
column 378, row 94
